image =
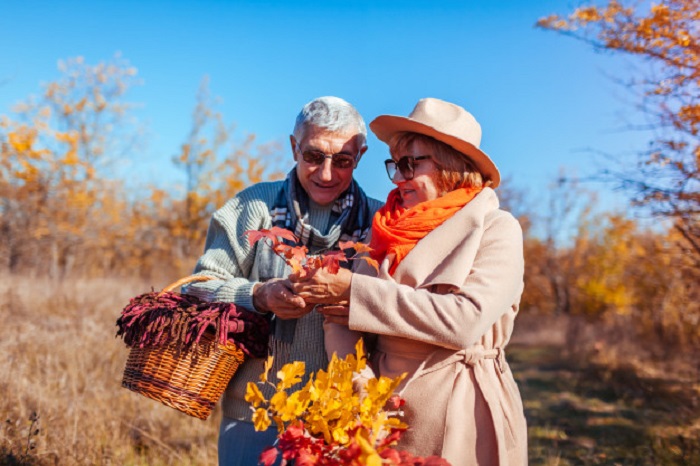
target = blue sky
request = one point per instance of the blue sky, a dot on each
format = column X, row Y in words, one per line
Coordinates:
column 542, row 99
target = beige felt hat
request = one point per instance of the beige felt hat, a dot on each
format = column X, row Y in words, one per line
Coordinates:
column 446, row 122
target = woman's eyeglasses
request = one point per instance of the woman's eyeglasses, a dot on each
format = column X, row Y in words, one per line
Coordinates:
column 316, row 157
column 406, row 165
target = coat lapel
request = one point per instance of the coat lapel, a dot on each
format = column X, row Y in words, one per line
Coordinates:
column 445, row 255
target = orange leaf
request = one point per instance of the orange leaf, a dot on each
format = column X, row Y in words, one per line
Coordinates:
column 362, row 247
column 371, row 262
column 296, row 266
column 346, row 244
column 282, row 249
column 358, row 247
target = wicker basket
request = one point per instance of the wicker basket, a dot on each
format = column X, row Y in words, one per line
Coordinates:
column 191, row 383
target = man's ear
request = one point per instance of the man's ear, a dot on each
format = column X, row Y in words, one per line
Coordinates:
column 293, row 143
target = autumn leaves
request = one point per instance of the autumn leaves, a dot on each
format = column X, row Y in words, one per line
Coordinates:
column 327, row 421
column 298, row 259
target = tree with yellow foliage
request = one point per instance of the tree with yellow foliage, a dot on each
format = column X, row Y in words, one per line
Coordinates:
column 62, row 214
column 53, row 198
column 667, row 38
column 215, row 167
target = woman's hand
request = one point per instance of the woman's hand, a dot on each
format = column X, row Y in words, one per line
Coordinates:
column 323, row 287
column 335, row 313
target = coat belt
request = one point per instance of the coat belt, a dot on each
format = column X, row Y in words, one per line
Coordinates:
column 474, row 355
column 465, row 361
column 467, row 357
column 489, row 390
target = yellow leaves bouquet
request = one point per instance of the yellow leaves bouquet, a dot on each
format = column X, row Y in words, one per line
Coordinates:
column 327, row 422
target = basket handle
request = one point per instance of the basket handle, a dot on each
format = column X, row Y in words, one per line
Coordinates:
column 188, row 279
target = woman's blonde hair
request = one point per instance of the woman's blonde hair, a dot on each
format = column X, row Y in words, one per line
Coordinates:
column 454, row 169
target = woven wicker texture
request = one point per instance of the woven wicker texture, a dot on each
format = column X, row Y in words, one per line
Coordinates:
column 190, row 382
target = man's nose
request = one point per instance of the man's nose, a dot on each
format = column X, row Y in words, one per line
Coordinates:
column 398, row 177
column 326, row 170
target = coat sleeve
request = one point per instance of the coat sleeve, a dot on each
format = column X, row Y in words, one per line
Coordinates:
column 455, row 320
column 227, row 254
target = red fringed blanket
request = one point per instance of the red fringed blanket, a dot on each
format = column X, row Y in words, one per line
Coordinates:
column 158, row 319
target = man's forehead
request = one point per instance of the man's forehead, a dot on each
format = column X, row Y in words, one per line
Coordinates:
column 320, row 134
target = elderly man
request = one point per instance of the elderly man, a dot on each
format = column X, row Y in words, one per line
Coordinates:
column 322, row 204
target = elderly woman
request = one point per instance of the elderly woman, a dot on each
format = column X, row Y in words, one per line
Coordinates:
column 443, row 302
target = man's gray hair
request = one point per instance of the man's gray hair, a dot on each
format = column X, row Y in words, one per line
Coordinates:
column 332, row 114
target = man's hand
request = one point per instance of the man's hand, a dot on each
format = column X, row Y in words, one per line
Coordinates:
column 276, row 296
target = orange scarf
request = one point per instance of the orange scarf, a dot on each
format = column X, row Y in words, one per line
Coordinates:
column 396, row 230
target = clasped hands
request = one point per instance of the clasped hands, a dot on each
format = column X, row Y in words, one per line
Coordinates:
column 298, row 295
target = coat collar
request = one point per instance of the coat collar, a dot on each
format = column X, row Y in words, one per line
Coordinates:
column 446, row 254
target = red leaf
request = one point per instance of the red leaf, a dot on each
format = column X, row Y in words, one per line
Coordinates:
column 281, row 249
column 292, row 441
column 392, row 456
column 395, row 402
column 436, row 461
column 392, row 438
column 256, row 235
column 297, row 252
column 268, row 456
column 351, row 453
column 331, row 261
column 313, row 263
column 306, row 458
column 285, row 234
column 273, row 234
column 408, row 459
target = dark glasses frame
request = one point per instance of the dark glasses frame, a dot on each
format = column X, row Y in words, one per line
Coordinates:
column 340, row 160
column 406, row 165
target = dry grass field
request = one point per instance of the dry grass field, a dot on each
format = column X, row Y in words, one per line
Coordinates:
column 60, row 360
column 61, row 363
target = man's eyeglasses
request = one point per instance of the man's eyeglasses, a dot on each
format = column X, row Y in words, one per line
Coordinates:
column 340, row 160
column 406, row 165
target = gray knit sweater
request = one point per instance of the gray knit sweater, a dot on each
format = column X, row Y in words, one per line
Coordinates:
column 239, row 266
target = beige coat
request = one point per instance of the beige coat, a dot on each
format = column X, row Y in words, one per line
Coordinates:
column 445, row 317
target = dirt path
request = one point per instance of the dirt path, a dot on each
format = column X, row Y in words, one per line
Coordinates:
column 594, row 415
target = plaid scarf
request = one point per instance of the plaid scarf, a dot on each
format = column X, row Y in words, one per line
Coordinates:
column 350, row 213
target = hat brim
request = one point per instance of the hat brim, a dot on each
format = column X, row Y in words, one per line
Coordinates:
column 386, row 126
